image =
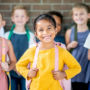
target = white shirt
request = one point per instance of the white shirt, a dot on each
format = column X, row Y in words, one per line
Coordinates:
column 2, row 32
column 87, row 42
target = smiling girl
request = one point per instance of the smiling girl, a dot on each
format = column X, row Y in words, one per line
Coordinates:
column 43, row 76
column 75, row 39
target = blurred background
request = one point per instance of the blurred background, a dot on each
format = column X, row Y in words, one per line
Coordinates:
column 36, row 7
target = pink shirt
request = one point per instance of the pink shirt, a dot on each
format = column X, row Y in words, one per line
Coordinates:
column 3, row 77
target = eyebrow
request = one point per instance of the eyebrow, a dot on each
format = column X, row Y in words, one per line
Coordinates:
column 49, row 26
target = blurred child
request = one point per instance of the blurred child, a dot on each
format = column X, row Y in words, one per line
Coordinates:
column 43, row 76
column 3, row 63
column 21, row 38
column 59, row 19
column 75, row 39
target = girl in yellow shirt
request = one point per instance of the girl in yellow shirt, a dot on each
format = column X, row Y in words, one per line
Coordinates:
column 44, row 77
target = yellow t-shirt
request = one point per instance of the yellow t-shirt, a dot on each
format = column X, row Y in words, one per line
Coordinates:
column 46, row 63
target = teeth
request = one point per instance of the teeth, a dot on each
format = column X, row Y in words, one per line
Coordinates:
column 47, row 37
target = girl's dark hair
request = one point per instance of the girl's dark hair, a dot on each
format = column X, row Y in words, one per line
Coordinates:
column 44, row 17
column 58, row 14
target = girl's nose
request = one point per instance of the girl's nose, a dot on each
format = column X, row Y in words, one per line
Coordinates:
column 45, row 32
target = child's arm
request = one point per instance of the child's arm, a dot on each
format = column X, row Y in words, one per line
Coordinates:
column 9, row 66
column 69, row 44
column 22, row 64
column 74, row 67
column 89, row 54
column 11, row 56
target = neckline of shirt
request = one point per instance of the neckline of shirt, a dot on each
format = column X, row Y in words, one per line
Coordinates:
column 19, row 32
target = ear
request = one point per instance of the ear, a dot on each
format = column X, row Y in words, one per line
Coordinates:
column 89, row 16
column 56, row 30
column 27, row 18
column 3, row 23
column 36, row 34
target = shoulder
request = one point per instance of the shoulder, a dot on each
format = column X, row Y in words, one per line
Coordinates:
column 68, row 31
column 63, row 52
column 31, row 50
column 6, row 34
column 9, row 43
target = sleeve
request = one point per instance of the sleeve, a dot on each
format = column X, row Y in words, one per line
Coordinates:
column 74, row 67
column 2, row 32
column 6, row 34
column 32, row 36
column 23, row 62
column 87, row 42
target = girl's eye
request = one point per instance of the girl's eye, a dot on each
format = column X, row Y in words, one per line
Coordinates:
column 16, row 16
column 41, row 30
column 22, row 16
column 81, row 13
column 58, row 24
column 49, row 28
column 75, row 14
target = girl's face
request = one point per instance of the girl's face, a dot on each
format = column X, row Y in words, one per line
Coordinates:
column 45, row 31
column 80, row 16
column 20, row 17
column 58, row 22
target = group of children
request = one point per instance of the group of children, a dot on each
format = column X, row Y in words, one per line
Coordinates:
column 46, row 29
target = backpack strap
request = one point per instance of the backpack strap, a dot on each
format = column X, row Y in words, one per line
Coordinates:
column 27, row 32
column 3, row 60
column 75, row 35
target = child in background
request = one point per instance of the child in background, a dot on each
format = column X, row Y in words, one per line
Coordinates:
column 44, row 77
column 75, row 39
column 2, row 24
column 8, row 50
column 21, row 38
column 59, row 19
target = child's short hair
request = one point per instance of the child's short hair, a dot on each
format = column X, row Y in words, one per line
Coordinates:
column 58, row 14
column 44, row 17
column 20, row 7
column 80, row 5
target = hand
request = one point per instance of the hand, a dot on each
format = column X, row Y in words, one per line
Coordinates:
column 58, row 74
column 17, row 71
column 73, row 44
column 4, row 66
column 32, row 72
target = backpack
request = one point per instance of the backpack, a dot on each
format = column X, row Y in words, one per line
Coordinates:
column 3, row 60
column 65, row 84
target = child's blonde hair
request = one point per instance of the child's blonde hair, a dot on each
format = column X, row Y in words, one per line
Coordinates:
column 80, row 5
column 20, row 7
